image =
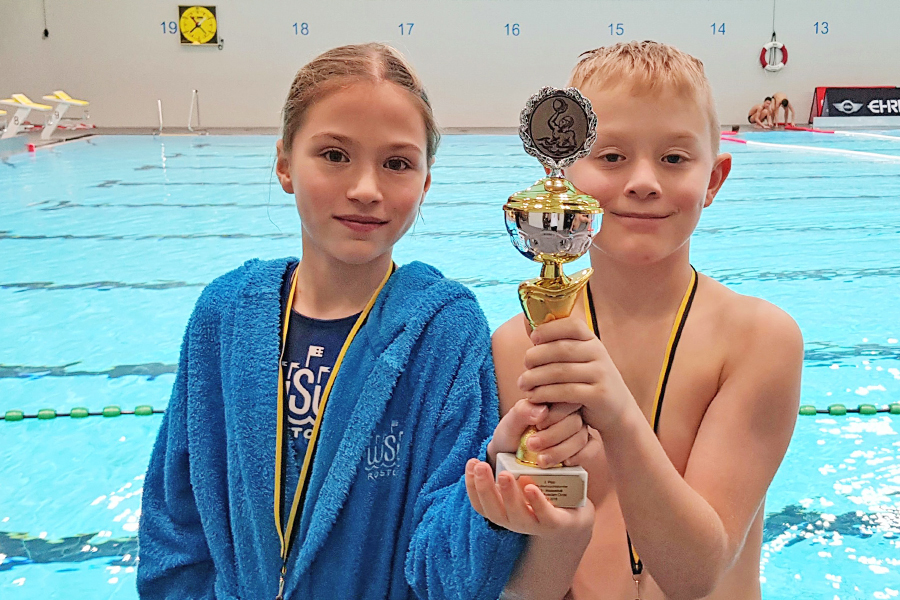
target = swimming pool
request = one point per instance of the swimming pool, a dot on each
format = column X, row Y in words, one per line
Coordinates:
column 107, row 242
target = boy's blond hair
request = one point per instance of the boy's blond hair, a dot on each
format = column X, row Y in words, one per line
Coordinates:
column 648, row 67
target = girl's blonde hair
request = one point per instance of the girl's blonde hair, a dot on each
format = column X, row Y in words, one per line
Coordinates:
column 648, row 67
column 345, row 65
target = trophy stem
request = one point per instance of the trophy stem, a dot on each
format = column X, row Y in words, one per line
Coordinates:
column 524, row 456
column 553, row 270
column 544, row 299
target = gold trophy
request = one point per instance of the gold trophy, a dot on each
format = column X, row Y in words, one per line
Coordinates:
column 553, row 223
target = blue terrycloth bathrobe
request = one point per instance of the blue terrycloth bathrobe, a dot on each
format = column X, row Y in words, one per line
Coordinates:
column 386, row 513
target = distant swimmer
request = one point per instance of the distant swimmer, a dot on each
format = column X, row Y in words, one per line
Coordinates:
column 761, row 114
column 781, row 101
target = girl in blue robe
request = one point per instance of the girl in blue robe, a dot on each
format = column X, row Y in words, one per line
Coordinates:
column 254, row 489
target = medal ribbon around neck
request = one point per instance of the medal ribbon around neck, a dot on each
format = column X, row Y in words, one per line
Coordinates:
column 286, row 536
column 637, row 567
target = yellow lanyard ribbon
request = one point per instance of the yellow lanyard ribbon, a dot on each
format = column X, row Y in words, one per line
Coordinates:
column 286, row 536
column 637, row 567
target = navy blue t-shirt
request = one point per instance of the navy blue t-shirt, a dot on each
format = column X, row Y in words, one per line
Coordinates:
column 312, row 348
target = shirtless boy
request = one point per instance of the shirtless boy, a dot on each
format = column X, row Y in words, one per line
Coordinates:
column 781, row 102
column 718, row 372
column 761, row 114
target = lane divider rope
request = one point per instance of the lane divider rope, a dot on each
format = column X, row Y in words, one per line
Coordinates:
column 840, row 409
column 814, row 149
column 861, row 134
column 145, row 410
column 80, row 412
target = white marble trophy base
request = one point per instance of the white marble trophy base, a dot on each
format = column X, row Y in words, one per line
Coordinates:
column 565, row 487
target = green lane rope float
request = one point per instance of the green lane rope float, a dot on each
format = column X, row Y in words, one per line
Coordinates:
column 80, row 412
column 14, row 415
column 111, row 411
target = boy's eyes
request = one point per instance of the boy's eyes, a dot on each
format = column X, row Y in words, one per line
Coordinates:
column 612, row 157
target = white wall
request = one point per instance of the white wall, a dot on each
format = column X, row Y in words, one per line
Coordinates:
column 115, row 54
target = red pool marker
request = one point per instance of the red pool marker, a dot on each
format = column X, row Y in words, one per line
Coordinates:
column 809, row 129
column 731, row 138
column 31, row 147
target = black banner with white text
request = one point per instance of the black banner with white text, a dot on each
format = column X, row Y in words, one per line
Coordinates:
column 858, row 102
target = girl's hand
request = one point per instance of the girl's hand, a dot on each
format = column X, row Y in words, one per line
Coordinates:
column 520, row 506
column 561, row 438
column 569, row 364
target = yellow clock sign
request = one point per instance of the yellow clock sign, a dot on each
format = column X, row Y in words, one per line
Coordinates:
column 198, row 25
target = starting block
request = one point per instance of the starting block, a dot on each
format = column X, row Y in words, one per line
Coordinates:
column 23, row 106
column 62, row 101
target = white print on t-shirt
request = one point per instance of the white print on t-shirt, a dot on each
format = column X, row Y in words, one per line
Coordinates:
column 383, row 453
column 309, row 385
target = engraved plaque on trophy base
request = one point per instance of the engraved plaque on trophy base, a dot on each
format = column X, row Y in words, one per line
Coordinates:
column 565, row 487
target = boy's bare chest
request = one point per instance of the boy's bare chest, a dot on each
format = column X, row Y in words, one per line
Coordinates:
column 691, row 382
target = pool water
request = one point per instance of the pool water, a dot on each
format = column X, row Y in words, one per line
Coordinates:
column 108, row 241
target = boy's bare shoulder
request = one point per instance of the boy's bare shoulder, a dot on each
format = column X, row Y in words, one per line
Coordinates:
column 751, row 326
column 508, row 345
column 512, row 333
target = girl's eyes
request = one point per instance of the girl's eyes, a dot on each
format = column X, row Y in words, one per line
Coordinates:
column 333, row 155
column 612, row 157
column 397, row 164
column 339, row 156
